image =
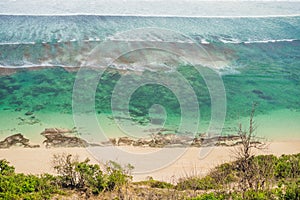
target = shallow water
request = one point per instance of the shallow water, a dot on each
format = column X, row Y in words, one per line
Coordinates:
column 261, row 66
column 47, row 93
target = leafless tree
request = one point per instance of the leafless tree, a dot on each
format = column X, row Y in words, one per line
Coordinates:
column 247, row 170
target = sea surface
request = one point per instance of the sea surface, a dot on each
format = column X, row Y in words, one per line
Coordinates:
column 257, row 60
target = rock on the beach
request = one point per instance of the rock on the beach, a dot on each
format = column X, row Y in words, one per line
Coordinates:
column 56, row 137
column 16, row 139
column 124, row 141
column 160, row 140
column 154, row 140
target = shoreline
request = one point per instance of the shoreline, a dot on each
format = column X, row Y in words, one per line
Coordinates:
column 38, row 160
column 7, row 71
column 273, row 126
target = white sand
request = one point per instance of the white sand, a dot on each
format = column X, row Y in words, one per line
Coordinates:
column 37, row 161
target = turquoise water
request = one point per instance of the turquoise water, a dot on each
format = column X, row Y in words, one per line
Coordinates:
column 267, row 73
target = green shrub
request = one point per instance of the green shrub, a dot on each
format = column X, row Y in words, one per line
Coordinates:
column 160, row 184
column 224, row 174
column 196, row 183
column 288, row 166
column 209, row 196
column 82, row 175
column 292, row 190
column 256, row 195
column 155, row 184
column 263, row 171
column 65, row 167
column 283, row 167
column 5, row 168
column 20, row 186
column 90, row 176
column 116, row 175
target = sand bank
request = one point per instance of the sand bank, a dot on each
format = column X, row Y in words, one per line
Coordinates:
column 193, row 161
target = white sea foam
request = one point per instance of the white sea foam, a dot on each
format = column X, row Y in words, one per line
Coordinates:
column 269, row 41
column 233, row 41
column 24, row 66
column 43, row 42
column 36, row 65
column 152, row 15
column 15, row 43
column 202, row 41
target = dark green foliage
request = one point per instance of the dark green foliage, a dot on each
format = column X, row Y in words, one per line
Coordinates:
column 89, row 177
column 156, row 184
column 72, row 174
column 257, row 195
column 5, row 168
column 160, row 184
column 20, row 186
column 292, row 190
column 266, row 172
column 224, row 174
column 288, row 166
column 116, row 176
column 288, row 189
column 209, row 196
column 196, row 183
column 218, row 178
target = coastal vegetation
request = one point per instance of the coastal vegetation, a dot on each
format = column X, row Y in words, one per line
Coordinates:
column 269, row 177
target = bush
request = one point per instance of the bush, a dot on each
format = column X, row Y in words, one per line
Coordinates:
column 288, row 166
column 224, row 174
column 196, row 183
column 263, row 167
column 256, row 195
column 209, row 196
column 116, row 175
column 20, row 186
column 65, row 167
column 156, row 184
column 5, row 168
column 292, row 190
column 88, row 177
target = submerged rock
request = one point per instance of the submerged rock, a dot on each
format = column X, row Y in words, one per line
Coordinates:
column 18, row 109
column 28, row 113
column 16, row 139
column 31, row 120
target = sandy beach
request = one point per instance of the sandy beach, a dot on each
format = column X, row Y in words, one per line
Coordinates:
column 191, row 162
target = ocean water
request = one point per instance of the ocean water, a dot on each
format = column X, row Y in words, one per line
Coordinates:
column 257, row 60
column 151, row 7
